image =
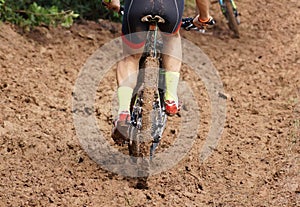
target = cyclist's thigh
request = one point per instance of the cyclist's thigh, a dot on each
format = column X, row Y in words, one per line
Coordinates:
column 134, row 11
column 171, row 11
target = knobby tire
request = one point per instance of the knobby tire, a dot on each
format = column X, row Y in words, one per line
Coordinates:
column 150, row 67
column 232, row 22
column 139, row 147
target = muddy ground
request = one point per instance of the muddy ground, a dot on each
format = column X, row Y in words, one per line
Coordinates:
column 256, row 162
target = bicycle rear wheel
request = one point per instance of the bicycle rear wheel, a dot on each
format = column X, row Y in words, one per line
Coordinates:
column 149, row 78
column 142, row 115
column 232, row 21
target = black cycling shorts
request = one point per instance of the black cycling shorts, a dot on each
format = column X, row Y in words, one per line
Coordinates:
column 170, row 10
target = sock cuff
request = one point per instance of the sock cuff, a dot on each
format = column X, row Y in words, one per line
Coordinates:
column 124, row 89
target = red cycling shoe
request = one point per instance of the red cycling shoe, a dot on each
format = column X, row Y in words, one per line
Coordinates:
column 171, row 107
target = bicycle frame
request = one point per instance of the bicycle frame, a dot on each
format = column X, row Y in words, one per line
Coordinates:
column 158, row 115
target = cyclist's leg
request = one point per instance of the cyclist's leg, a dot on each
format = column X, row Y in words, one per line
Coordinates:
column 127, row 70
column 133, row 44
column 171, row 61
column 172, row 51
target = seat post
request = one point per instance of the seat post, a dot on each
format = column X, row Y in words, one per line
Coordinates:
column 153, row 21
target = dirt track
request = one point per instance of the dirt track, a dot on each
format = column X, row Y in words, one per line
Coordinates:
column 255, row 164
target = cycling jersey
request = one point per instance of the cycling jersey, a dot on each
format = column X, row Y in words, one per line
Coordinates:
column 170, row 10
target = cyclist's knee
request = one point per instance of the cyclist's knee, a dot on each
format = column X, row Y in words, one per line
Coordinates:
column 132, row 53
column 135, row 57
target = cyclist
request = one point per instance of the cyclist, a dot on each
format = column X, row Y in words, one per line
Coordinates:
column 133, row 43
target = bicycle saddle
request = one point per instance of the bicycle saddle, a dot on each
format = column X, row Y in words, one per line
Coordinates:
column 150, row 18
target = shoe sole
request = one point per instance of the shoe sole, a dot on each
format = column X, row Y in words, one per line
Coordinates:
column 120, row 134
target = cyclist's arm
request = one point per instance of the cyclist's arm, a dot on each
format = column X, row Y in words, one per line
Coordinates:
column 112, row 4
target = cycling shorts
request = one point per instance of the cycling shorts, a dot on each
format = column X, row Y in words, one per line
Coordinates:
column 170, row 10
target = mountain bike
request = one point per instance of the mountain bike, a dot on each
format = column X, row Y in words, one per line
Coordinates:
column 148, row 116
